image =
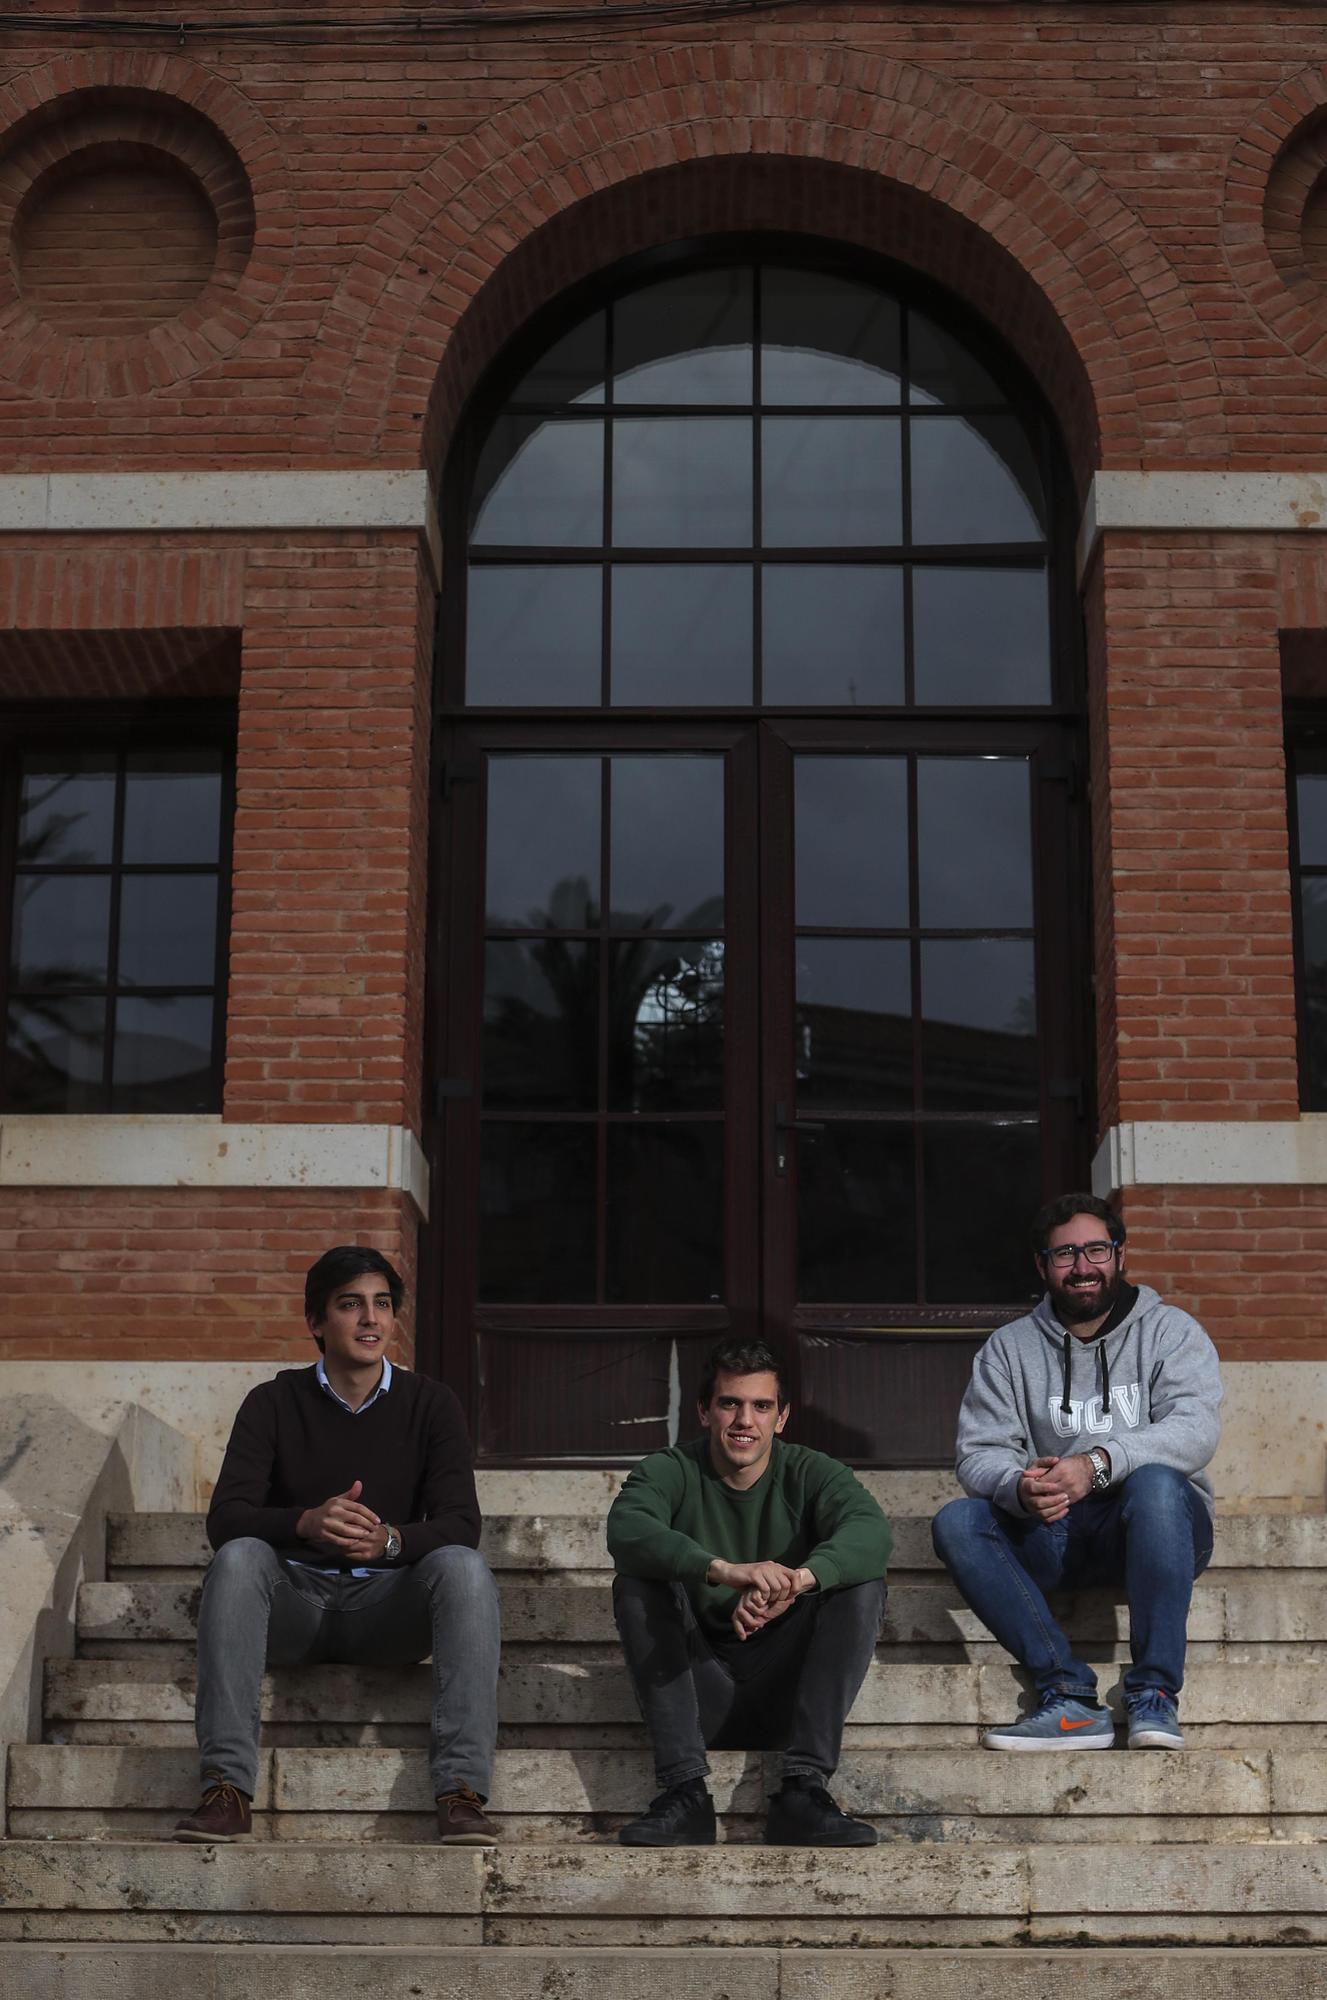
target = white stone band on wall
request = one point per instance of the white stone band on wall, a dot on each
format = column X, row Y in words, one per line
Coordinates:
column 202, row 1152
column 1198, row 503
column 105, row 503
column 1157, row 1152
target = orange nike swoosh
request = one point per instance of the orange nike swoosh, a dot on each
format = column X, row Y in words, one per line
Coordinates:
column 1076, row 1725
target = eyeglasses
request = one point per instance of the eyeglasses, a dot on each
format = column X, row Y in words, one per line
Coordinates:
column 1065, row 1254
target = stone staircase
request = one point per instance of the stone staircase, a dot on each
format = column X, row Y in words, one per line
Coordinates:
column 997, row 1876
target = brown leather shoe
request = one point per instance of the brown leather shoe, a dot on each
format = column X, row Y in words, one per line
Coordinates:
column 223, row 1814
column 462, row 1821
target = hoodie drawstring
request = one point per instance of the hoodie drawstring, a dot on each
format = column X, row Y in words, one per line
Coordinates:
column 1066, row 1404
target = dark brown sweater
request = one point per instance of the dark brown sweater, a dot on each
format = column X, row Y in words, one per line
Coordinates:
column 293, row 1447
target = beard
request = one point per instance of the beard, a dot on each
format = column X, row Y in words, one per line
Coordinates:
column 1074, row 1305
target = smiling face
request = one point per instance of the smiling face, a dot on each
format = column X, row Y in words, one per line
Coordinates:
column 1081, row 1293
column 743, row 1419
column 358, row 1323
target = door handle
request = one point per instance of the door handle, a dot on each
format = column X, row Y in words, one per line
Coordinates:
column 783, row 1125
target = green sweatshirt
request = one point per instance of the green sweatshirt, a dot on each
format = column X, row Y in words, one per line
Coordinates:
column 674, row 1515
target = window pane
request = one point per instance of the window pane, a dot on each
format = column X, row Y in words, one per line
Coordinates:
column 572, row 370
column 981, row 636
column 979, row 1025
column 667, row 842
column 851, row 831
column 55, row 1055
column 541, row 1024
column 665, row 1025
column 974, row 834
column 665, row 1214
column 168, row 930
column 163, row 1055
column 1311, row 798
column 832, row 636
column 830, row 482
column 172, row 805
column 855, row 1215
column 686, row 340
column 1313, row 913
column 67, row 807
column 827, row 340
column 61, row 930
column 974, row 479
column 536, row 1213
column 543, row 842
column 534, row 636
column 682, row 635
column 940, row 369
column 682, row 482
column 983, row 1184
column 540, row 484
column 854, row 1023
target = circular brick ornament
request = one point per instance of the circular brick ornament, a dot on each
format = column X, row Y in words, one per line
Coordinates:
column 133, row 234
column 1274, row 223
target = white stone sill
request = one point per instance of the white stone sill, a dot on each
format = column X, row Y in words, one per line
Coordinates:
column 204, row 1152
column 1160, row 1152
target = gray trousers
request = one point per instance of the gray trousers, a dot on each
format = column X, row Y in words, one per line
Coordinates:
column 789, row 1688
column 259, row 1611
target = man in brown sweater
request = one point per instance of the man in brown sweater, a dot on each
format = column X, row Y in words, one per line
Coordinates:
column 346, row 1528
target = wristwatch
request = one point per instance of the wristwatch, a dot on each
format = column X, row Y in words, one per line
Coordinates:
column 1100, row 1464
column 393, row 1548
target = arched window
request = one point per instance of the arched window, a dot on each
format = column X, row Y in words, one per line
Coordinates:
column 759, row 697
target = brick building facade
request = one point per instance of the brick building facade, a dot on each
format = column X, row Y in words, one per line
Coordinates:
column 260, row 274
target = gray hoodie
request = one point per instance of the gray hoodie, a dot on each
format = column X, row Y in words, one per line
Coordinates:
column 1157, row 1369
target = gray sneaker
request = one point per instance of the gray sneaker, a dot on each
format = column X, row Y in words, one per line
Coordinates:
column 1059, row 1722
column 1154, row 1722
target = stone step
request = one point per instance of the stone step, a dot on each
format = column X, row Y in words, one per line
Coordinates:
column 593, row 1691
column 914, row 1892
column 678, row 1972
column 1270, row 1609
column 576, row 1541
column 953, row 1794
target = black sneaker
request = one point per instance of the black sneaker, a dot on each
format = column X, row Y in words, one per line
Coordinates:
column 683, row 1816
column 804, row 1815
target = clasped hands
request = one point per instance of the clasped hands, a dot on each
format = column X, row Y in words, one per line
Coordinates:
column 766, row 1590
column 343, row 1527
column 1050, row 1486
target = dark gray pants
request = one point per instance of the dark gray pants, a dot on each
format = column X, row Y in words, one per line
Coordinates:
column 260, row 1611
column 789, row 1688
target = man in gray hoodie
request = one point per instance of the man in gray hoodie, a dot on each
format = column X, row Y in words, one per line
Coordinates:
column 1082, row 1443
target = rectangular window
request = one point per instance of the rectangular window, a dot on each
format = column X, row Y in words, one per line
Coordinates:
column 114, row 894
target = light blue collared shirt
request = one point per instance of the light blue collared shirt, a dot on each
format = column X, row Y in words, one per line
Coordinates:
column 384, row 1385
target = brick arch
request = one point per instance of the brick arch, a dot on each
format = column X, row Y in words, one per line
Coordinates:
column 691, row 141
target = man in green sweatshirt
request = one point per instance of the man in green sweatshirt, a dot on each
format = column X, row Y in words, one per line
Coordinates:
column 748, row 1597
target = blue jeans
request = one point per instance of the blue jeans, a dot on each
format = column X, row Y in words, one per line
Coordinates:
column 259, row 1611
column 1152, row 1532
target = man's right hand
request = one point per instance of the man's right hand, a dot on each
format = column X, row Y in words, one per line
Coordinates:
column 768, row 1582
column 340, row 1524
column 1044, row 1503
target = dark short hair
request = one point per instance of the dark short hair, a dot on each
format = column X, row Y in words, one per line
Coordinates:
column 1063, row 1209
column 741, row 1357
column 336, row 1268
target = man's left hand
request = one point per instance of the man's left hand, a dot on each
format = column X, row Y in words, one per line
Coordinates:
column 753, row 1610
column 371, row 1549
column 1071, row 1477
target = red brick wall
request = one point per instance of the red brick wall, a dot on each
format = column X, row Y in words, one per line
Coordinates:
column 180, row 1274
column 1091, row 181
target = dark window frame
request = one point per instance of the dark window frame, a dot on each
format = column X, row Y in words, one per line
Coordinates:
column 117, row 728
column 1306, row 756
column 465, row 732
